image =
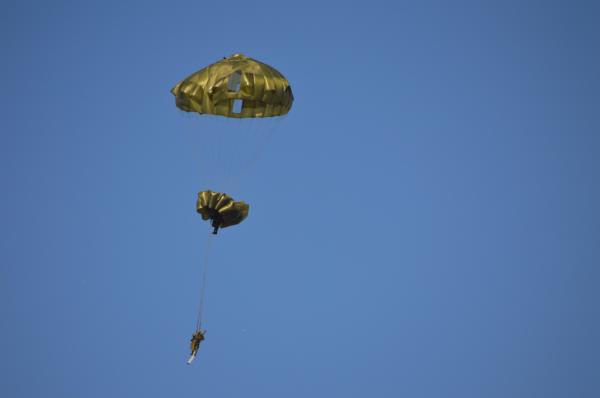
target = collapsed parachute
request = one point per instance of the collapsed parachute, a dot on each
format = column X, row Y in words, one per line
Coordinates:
column 221, row 209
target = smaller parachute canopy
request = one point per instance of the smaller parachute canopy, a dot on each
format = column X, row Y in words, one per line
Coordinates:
column 221, row 209
column 236, row 87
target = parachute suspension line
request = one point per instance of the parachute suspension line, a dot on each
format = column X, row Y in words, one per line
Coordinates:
column 235, row 136
column 230, row 149
column 244, row 136
column 233, row 150
column 213, row 151
column 224, row 144
column 263, row 135
column 217, row 150
column 205, row 259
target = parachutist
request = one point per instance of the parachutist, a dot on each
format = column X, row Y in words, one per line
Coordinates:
column 216, row 223
column 195, row 344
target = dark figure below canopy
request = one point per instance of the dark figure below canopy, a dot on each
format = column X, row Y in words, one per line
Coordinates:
column 197, row 338
column 221, row 209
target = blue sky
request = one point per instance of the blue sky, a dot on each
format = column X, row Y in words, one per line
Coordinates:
column 424, row 222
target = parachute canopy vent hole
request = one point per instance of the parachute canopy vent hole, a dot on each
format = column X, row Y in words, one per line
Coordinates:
column 233, row 85
column 237, row 106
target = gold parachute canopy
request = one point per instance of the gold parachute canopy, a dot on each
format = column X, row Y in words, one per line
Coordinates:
column 221, row 209
column 237, row 87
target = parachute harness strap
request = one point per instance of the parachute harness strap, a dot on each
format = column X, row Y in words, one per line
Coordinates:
column 205, row 259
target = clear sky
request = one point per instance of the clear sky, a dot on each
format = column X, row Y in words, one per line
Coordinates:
column 424, row 223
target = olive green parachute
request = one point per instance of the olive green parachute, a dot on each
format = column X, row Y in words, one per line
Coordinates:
column 221, row 209
column 237, row 87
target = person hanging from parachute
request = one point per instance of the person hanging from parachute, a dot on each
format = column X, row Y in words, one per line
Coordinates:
column 236, row 87
column 195, row 341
